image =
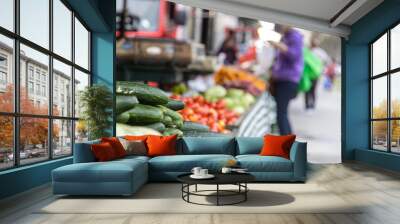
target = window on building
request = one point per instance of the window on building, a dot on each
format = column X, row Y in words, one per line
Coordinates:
column 7, row 89
column 37, row 90
column 30, row 73
column 3, row 72
column 37, row 74
column 3, row 61
column 55, row 126
column 44, row 91
column 3, row 78
column 385, row 94
column 30, row 87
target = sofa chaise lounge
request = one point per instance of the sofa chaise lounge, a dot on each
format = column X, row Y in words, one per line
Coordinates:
column 125, row 176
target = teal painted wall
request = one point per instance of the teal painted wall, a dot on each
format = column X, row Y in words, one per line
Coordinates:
column 99, row 15
column 103, row 63
column 24, row 178
column 103, row 52
column 355, row 85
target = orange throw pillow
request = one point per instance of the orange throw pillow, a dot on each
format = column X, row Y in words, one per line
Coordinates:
column 277, row 145
column 161, row 145
column 136, row 138
column 103, row 152
column 116, row 145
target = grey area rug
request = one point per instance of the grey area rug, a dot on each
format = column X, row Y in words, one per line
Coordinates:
column 166, row 198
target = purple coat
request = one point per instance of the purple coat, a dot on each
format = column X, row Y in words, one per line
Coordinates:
column 288, row 66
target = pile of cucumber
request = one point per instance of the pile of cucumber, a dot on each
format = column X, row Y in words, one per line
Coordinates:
column 143, row 110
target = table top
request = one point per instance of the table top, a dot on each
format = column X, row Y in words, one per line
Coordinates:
column 220, row 178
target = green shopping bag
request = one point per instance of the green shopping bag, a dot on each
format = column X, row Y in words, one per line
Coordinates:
column 312, row 70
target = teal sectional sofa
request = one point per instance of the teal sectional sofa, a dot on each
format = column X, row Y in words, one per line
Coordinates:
column 125, row 176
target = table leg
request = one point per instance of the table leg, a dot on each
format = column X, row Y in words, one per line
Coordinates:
column 217, row 194
column 188, row 190
column 245, row 193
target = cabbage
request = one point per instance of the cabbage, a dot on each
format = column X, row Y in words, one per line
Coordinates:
column 249, row 98
column 239, row 109
column 215, row 93
column 235, row 93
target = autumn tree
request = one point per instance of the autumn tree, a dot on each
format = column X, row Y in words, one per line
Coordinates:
column 379, row 128
column 33, row 131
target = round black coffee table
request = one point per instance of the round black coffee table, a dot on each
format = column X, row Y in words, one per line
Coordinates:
column 238, row 179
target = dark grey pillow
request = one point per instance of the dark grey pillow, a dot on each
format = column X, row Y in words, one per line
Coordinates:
column 134, row 147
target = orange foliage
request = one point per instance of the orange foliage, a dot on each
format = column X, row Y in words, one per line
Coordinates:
column 33, row 130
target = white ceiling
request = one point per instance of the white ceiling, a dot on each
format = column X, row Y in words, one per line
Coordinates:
column 315, row 15
column 321, row 9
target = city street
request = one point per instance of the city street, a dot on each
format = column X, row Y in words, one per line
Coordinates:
column 321, row 128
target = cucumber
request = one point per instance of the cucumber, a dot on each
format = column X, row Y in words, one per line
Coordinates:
column 173, row 131
column 125, row 103
column 193, row 126
column 141, row 114
column 144, row 93
column 173, row 114
column 178, row 123
column 123, row 118
column 156, row 126
column 167, row 121
column 175, row 104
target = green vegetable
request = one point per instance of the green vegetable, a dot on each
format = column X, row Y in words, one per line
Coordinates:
column 141, row 114
column 123, row 118
column 234, row 93
column 175, row 105
column 167, row 120
column 145, row 94
column 193, row 126
column 173, row 131
column 123, row 129
column 215, row 93
column 239, row 109
column 125, row 103
column 179, row 89
column 173, row 114
column 178, row 123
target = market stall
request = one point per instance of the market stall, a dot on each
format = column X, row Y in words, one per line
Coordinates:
column 234, row 102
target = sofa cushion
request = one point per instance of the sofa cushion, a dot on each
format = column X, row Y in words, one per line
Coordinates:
column 257, row 163
column 103, row 152
column 185, row 163
column 249, row 145
column 277, row 145
column 206, row 145
column 161, row 145
column 83, row 152
column 116, row 145
column 112, row 171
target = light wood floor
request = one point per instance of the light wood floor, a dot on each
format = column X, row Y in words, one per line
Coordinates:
column 379, row 189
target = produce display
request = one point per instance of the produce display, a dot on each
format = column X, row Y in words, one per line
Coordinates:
column 236, row 100
column 215, row 115
column 230, row 77
column 146, row 110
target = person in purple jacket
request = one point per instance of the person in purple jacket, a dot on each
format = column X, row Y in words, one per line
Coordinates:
column 286, row 72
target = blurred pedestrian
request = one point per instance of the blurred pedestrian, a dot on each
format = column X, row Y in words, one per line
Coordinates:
column 229, row 48
column 286, row 72
column 311, row 95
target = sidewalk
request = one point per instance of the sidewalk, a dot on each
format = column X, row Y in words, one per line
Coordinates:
column 321, row 129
